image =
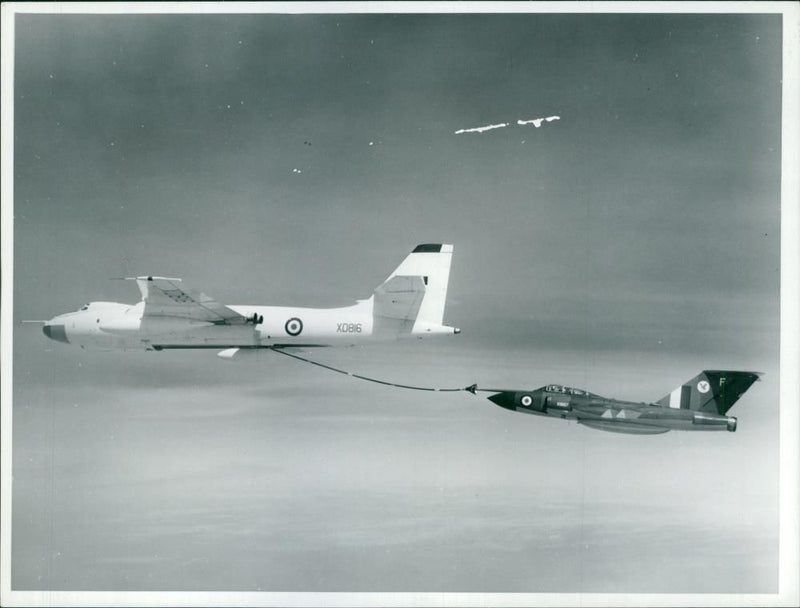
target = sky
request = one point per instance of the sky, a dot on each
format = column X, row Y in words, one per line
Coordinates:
column 296, row 159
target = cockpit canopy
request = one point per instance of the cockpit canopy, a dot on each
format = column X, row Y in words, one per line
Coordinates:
column 101, row 305
column 565, row 390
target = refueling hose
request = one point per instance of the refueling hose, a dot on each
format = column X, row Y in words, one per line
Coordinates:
column 470, row 389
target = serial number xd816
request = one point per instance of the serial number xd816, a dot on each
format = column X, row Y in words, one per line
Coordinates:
column 348, row 328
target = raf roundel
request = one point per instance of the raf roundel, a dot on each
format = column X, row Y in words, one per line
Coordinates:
column 526, row 400
column 703, row 386
column 294, row 326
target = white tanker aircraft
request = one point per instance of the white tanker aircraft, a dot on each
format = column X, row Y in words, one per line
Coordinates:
column 410, row 302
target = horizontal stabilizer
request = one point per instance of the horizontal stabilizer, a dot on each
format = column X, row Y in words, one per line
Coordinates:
column 399, row 298
column 396, row 304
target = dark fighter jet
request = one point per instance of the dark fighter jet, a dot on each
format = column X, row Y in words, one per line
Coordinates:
column 700, row 404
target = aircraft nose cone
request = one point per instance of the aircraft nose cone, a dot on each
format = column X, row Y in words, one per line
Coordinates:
column 505, row 400
column 55, row 332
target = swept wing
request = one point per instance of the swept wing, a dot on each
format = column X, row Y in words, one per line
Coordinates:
column 166, row 297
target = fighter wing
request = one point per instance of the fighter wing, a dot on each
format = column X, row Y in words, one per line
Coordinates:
column 164, row 297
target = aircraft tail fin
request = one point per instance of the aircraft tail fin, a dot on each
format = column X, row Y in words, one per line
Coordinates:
column 712, row 391
column 412, row 298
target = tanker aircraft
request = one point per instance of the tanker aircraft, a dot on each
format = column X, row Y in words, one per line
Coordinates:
column 701, row 404
column 410, row 302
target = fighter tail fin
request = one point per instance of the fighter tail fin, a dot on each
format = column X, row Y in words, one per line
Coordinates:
column 712, row 391
column 412, row 298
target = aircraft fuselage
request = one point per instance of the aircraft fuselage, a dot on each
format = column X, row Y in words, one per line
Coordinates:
column 410, row 302
column 613, row 415
column 116, row 326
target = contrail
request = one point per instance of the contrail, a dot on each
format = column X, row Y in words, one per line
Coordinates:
column 536, row 122
column 482, row 129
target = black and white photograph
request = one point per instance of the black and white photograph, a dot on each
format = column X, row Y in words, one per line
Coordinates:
column 432, row 304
